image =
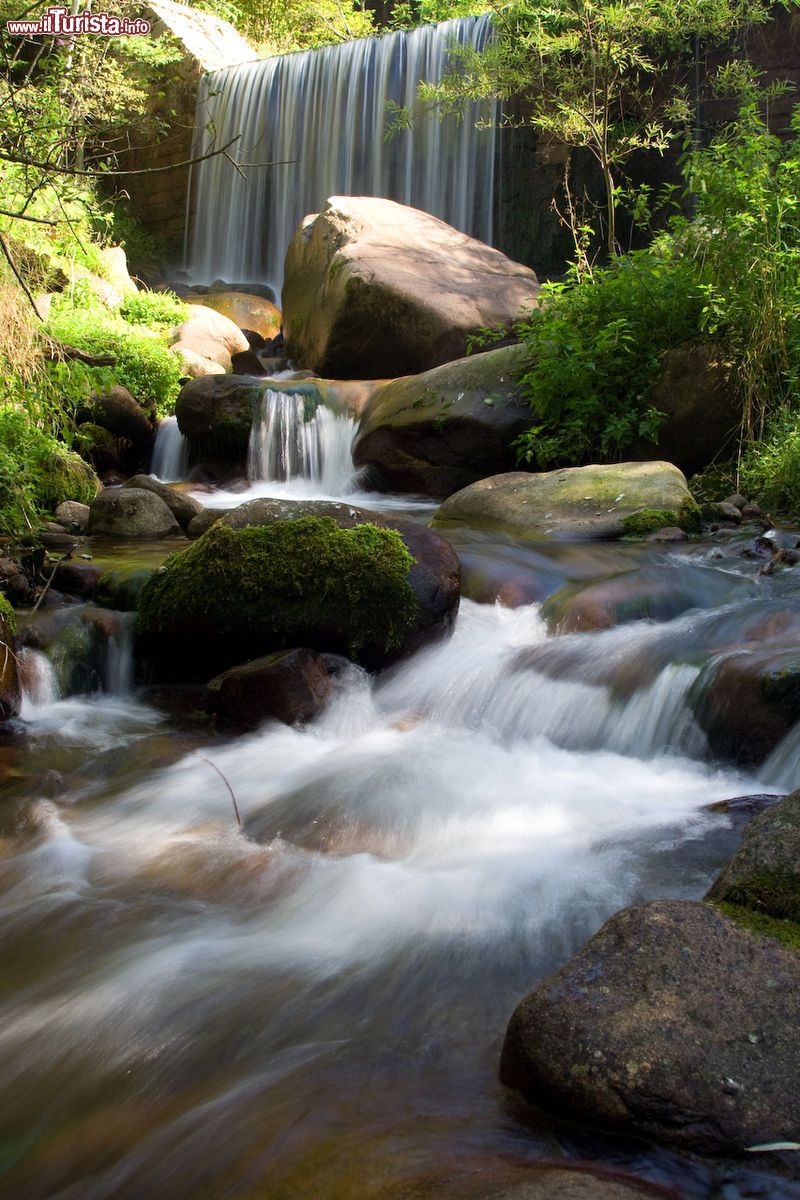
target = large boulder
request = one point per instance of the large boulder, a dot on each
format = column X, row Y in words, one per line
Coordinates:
column 205, row 322
column 196, row 351
column 437, row 432
column 246, row 311
column 696, row 392
column 216, row 414
column 345, row 583
column 673, row 1022
column 747, row 700
column 764, row 873
column 375, row 289
column 629, row 498
column 182, row 506
column 289, row 686
column 131, row 513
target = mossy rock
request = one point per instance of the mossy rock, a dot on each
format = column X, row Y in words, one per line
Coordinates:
column 747, row 700
column 239, row 593
column 10, row 690
column 594, row 502
column 764, row 873
column 649, row 520
column 65, row 476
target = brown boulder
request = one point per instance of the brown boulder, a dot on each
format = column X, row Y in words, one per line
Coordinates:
column 764, row 873
column 672, row 1022
column 290, row 686
column 747, row 701
column 119, row 414
column 437, row 432
column 205, row 322
column 377, row 289
column 245, row 311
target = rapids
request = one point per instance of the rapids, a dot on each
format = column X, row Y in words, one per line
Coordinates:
column 313, row 1004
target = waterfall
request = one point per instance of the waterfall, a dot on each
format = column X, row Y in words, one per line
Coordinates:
column 170, row 452
column 289, row 442
column 322, row 115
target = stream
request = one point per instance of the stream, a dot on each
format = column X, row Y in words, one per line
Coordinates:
column 312, row 1005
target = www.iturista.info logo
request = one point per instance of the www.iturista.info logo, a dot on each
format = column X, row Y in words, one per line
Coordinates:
column 60, row 22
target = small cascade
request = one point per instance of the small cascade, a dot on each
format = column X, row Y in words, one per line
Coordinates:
column 290, row 440
column 170, row 453
column 316, row 122
column 39, row 682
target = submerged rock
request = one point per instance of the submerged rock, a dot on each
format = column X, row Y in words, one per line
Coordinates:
column 764, row 873
column 746, row 701
column 613, row 501
column 672, row 1022
column 290, row 686
column 131, row 513
column 440, row 431
column 375, row 289
column 508, row 1180
column 373, row 594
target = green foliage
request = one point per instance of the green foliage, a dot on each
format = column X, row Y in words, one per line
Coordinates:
column 143, row 362
column 408, row 14
column 267, row 585
column 770, row 469
column 8, row 617
column 281, row 26
column 595, row 74
column 36, row 473
column 159, row 310
column 594, row 348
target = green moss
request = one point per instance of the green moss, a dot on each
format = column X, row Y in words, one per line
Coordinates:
column 774, row 892
column 67, row 477
column 271, row 584
column 8, row 616
column 650, row 520
column 786, row 932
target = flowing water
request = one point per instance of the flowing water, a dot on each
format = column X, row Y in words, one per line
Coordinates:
column 289, row 443
column 170, row 452
column 313, row 1004
column 321, row 118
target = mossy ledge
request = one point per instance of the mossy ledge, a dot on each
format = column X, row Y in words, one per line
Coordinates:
column 8, row 616
column 783, row 930
column 239, row 593
column 649, row 520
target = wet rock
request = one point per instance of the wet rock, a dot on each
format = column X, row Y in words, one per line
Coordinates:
column 54, row 540
column 727, row 512
column 736, row 500
column 246, row 311
column 73, row 516
column 131, row 513
column 746, row 701
column 670, row 535
column 764, row 873
column 508, row 1180
column 376, row 289
column 291, row 686
column 216, row 415
column 247, row 363
column 697, row 394
column 576, row 502
column 440, row 431
column 752, row 512
column 259, row 581
column 672, row 1022
column 182, row 506
column 197, row 350
column 658, row 593
column 745, row 805
column 119, row 588
column 194, row 364
column 77, row 578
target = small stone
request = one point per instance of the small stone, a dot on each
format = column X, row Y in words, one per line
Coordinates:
column 736, row 500
column 728, row 512
column 670, row 533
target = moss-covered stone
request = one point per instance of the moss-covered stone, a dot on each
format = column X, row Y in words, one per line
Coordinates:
column 10, row 691
column 785, row 931
column 65, row 476
column 764, row 873
column 8, row 616
column 240, row 593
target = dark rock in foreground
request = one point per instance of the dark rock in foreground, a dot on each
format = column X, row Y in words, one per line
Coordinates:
column 747, row 700
column 672, row 1022
column 501, row 1180
column 131, row 513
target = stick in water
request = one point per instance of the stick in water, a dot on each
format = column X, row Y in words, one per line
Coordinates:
column 227, row 785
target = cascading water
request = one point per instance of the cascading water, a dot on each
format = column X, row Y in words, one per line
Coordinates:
column 170, row 452
column 322, row 117
column 289, row 443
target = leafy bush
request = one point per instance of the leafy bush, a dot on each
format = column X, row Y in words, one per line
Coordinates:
column 159, row 310
column 144, row 364
column 37, row 472
column 595, row 348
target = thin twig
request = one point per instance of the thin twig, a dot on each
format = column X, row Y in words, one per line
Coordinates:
column 7, row 255
column 225, row 781
column 47, row 585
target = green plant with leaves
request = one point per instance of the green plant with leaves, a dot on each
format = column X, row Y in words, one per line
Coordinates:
column 157, row 310
column 604, row 76
column 595, row 346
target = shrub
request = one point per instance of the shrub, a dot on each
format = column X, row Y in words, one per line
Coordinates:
column 595, row 347
column 37, row 472
column 159, row 310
